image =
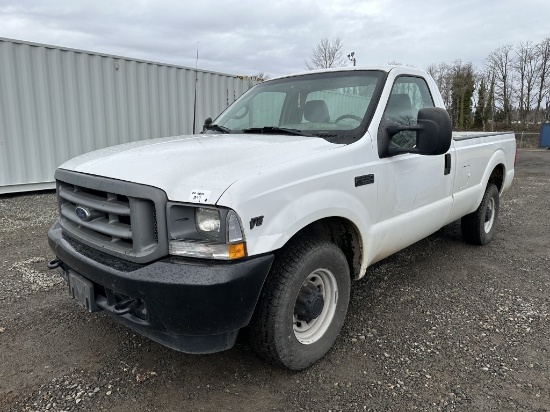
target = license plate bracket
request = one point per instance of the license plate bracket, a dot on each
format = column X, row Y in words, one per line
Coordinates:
column 82, row 291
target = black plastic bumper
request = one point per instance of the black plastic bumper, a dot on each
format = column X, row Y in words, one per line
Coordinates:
column 191, row 306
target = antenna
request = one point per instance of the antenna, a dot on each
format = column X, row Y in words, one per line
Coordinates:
column 196, row 80
column 197, row 61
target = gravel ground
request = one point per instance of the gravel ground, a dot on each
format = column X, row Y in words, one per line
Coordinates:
column 441, row 325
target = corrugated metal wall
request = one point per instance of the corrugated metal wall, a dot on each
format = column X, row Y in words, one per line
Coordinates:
column 57, row 103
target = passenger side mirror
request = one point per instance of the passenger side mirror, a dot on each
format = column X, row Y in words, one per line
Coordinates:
column 433, row 133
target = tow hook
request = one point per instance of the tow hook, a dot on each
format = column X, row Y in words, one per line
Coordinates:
column 125, row 306
column 55, row 263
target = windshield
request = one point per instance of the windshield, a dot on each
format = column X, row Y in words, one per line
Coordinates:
column 334, row 105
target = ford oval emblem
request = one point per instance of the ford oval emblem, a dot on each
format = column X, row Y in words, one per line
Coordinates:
column 83, row 213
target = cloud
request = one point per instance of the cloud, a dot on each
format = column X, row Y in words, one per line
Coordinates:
column 245, row 37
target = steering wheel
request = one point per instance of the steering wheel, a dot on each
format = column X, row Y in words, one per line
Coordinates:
column 348, row 116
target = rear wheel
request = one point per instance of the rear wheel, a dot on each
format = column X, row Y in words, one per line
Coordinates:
column 303, row 304
column 479, row 227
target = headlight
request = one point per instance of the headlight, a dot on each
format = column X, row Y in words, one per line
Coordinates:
column 205, row 232
column 208, row 220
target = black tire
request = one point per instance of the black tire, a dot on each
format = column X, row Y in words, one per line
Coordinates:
column 479, row 227
column 275, row 329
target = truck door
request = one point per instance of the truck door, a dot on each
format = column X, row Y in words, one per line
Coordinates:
column 414, row 191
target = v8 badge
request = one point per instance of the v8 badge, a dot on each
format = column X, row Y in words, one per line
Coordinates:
column 256, row 221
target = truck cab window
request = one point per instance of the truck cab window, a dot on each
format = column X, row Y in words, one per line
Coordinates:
column 264, row 109
column 343, row 106
column 408, row 96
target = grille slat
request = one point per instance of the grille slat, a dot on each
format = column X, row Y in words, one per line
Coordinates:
column 111, row 228
column 105, row 205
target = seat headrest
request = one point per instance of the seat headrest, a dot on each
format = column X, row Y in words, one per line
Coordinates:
column 316, row 111
column 399, row 102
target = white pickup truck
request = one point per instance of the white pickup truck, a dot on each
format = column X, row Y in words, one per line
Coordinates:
column 265, row 218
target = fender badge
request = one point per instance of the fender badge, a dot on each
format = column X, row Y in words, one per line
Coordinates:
column 256, row 221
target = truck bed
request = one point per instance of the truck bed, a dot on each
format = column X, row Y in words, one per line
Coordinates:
column 472, row 135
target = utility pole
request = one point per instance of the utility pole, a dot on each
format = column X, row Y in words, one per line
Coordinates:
column 351, row 57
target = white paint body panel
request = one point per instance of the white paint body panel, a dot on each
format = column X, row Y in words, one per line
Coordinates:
column 293, row 181
column 179, row 165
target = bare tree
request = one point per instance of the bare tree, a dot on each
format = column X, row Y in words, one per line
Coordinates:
column 513, row 85
column 457, row 83
column 490, row 105
column 262, row 77
column 327, row 54
column 543, row 72
column 441, row 73
column 398, row 63
column 526, row 65
column 500, row 63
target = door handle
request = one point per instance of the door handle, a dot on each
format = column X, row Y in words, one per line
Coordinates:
column 447, row 164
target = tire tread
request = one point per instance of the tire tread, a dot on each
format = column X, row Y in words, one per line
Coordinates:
column 471, row 225
column 264, row 318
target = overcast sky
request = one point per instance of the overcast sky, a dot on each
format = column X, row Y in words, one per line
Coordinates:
column 276, row 37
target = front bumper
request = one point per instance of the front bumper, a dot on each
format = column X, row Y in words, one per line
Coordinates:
column 194, row 306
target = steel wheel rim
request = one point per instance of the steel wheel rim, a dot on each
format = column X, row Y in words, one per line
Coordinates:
column 489, row 215
column 310, row 332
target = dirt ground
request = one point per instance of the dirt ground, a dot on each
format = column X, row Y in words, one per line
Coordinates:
column 441, row 325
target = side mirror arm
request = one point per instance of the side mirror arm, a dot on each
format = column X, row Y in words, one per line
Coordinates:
column 393, row 130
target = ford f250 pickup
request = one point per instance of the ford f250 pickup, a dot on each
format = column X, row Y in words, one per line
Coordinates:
column 265, row 218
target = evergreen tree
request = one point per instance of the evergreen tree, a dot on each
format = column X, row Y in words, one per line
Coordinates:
column 462, row 91
column 489, row 106
column 479, row 122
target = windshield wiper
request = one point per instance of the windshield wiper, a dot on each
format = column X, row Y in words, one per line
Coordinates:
column 217, row 128
column 324, row 135
column 274, row 130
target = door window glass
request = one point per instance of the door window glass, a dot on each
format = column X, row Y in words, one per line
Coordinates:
column 408, row 96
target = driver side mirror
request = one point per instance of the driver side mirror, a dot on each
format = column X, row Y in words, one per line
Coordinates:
column 207, row 123
column 433, row 133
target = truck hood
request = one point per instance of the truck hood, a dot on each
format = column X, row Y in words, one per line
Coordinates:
column 195, row 168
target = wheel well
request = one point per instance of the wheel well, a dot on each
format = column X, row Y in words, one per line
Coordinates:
column 497, row 176
column 341, row 232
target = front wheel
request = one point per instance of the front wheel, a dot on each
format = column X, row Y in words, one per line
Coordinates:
column 479, row 227
column 303, row 304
